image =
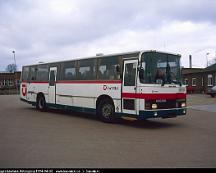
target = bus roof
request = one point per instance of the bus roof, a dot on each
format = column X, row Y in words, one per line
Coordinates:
column 104, row 56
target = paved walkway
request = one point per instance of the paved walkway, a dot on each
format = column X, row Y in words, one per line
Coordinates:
column 209, row 108
column 201, row 102
column 200, row 99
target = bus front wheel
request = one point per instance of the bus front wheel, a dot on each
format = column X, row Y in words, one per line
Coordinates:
column 41, row 103
column 106, row 111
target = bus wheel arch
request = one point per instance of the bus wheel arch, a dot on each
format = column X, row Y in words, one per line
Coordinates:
column 105, row 109
column 41, row 102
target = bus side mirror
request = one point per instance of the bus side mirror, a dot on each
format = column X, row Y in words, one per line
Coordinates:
column 118, row 69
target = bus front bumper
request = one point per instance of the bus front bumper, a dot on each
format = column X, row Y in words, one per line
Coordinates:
column 167, row 113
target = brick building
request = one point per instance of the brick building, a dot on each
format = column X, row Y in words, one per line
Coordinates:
column 199, row 80
column 10, row 80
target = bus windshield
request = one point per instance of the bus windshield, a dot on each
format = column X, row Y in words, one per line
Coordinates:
column 160, row 68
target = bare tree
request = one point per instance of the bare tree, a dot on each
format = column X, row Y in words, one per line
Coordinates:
column 11, row 68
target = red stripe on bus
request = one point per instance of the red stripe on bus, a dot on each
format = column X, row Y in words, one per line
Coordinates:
column 91, row 82
column 24, row 82
column 81, row 82
column 168, row 96
column 34, row 82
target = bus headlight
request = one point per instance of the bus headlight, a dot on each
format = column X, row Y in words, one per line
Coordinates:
column 183, row 104
column 154, row 106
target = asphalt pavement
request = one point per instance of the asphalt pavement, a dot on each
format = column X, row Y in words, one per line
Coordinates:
column 59, row 139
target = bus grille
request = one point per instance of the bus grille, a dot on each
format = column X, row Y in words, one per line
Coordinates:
column 162, row 104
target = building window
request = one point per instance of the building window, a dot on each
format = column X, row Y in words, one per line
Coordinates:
column 202, row 81
column 186, row 81
column 193, row 81
column 18, row 82
column 210, row 80
column 7, row 82
column 11, row 82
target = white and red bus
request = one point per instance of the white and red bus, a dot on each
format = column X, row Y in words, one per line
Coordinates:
column 135, row 85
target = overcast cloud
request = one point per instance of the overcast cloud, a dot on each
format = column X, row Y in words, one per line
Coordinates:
column 50, row 30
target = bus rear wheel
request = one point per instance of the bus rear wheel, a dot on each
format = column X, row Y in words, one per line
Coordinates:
column 41, row 103
column 106, row 111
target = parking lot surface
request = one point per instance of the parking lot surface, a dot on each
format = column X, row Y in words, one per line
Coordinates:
column 59, row 139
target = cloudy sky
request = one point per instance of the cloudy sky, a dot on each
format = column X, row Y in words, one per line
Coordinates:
column 50, row 30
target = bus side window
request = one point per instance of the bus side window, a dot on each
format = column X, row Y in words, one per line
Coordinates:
column 111, row 74
column 102, row 72
column 130, row 73
column 25, row 74
column 42, row 73
column 68, row 71
column 107, row 68
column 33, row 73
column 52, row 78
column 87, row 69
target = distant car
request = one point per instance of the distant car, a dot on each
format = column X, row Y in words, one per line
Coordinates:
column 212, row 91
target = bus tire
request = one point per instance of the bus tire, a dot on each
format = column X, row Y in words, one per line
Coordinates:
column 41, row 103
column 106, row 111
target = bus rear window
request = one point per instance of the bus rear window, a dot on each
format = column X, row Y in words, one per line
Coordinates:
column 25, row 73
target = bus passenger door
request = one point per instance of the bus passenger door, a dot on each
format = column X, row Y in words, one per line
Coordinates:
column 129, row 101
column 52, row 85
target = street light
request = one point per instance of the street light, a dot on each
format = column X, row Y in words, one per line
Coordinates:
column 207, row 58
column 14, row 56
column 16, row 84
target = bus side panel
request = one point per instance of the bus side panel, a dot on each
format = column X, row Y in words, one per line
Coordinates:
column 42, row 88
column 34, row 88
column 85, row 95
column 31, row 93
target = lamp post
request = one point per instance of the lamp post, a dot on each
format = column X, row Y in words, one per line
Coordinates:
column 14, row 57
column 207, row 59
column 15, row 82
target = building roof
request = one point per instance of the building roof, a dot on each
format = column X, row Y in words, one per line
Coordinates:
column 199, row 70
column 211, row 67
column 192, row 70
